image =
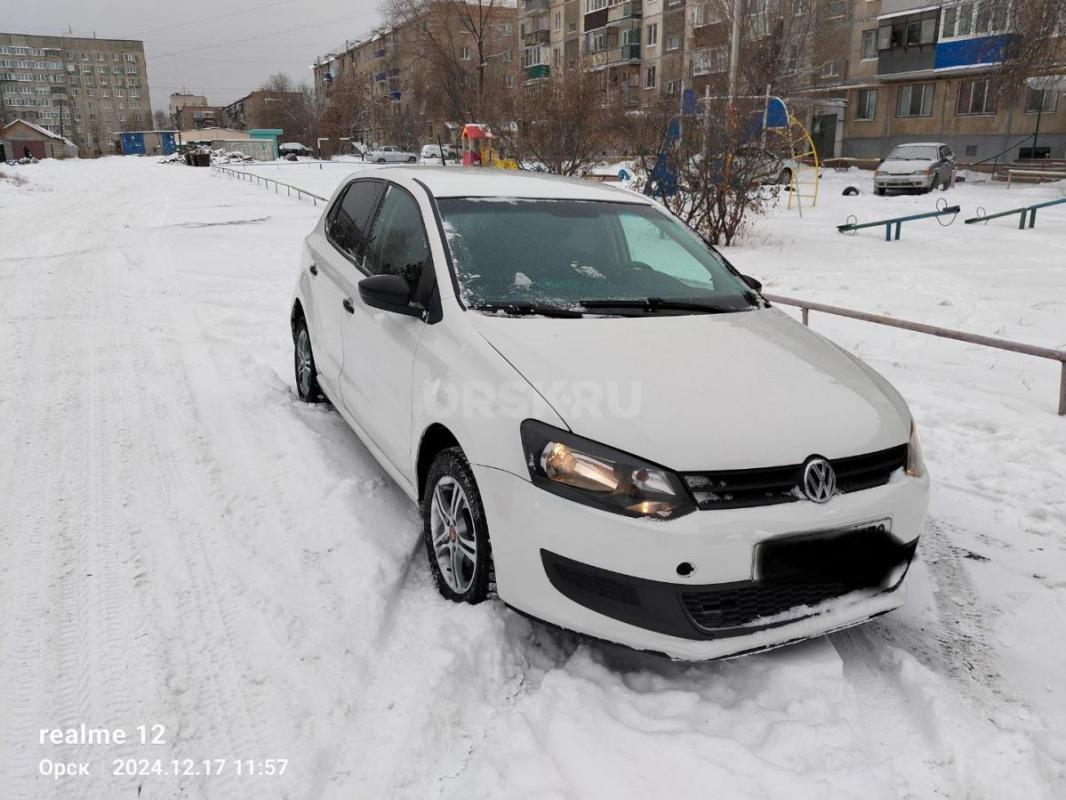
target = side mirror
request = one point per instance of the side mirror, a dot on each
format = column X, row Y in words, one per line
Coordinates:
column 389, row 293
column 754, row 283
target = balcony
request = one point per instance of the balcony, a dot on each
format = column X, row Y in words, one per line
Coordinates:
column 624, row 12
column 625, row 54
column 535, row 57
column 899, row 60
column 533, row 38
column 537, row 72
column 533, row 6
column 705, row 14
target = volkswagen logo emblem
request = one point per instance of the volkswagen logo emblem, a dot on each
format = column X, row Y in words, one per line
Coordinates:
column 819, row 480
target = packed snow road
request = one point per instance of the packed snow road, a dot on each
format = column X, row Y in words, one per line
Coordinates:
column 183, row 544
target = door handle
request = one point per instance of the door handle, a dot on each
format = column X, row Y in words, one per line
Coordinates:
column 347, row 303
column 314, row 269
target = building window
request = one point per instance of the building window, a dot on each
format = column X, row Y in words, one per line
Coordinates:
column 653, row 34
column 464, row 53
column 869, row 44
column 649, row 78
column 571, row 27
column 507, row 28
column 508, row 55
column 800, row 7
column 837, row 8
column 508, row 81
column 866, row 104
column 971, row 150
column 557, row 24
column 1041, row 101
column 832, row 69
column 911, row 30
column 915, row 100
column 976, row 97
column 671, row 87
column 673, row 43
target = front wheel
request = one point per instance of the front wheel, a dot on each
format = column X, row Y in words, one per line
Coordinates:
column 454, row 529
column 411, row 160
column 307, row 387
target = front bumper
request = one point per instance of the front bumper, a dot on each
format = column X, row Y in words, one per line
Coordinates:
column 903, row 181
column 534, row 531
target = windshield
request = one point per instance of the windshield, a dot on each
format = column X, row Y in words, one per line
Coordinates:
column 561, row 253
column 913, row 153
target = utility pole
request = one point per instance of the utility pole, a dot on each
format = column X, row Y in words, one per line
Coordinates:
column 734, row 51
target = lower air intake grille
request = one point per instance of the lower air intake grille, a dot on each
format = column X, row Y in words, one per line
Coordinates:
column 734, row 607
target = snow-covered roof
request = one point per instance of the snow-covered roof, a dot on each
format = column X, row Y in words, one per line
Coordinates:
column 39, row 129
column 485, row 182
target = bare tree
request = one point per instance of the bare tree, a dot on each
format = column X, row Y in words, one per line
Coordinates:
column 566, row 122
column 1036, row 45
column 461, row 44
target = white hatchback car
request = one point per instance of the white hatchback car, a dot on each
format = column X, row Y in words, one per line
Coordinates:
column 601, row 419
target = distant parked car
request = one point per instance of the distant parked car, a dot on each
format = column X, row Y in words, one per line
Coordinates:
column 431, row 153
column 923, row 166
column 390, row 153
column 294, row 148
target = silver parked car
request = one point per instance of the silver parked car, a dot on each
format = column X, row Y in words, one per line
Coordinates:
column 391, row 153
column 922, row 166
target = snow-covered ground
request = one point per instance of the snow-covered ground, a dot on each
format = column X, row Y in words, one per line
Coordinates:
column 182, row 543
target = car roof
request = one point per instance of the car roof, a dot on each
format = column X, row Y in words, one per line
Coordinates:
column 921, row 144
column 488, row 182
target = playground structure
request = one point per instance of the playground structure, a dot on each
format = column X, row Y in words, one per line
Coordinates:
column 478, row 149
column 1024, row 212
column 943, row 210
column 771, row 130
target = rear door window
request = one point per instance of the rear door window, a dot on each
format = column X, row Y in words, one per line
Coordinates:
column 349, row 224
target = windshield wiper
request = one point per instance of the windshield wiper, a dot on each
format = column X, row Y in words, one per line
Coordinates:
column 658, row 304
column 530, row 309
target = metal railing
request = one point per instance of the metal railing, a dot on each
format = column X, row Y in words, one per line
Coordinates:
column 934, row 330
column 264, row 181
column 1025, row 212
column 1039, row 174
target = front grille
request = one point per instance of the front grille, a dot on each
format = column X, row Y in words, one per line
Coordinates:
column 735, row 607
column 745, row 488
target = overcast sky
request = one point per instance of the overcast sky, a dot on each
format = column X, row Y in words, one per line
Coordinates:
column 221, row 48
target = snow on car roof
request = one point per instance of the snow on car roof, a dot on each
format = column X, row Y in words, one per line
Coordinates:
column 920, row 144
column 486, row 182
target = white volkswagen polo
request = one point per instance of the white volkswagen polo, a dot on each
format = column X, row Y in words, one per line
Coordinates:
column 602, row 421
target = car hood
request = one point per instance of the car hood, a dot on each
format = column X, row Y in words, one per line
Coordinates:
column 902, row 167
column 704, row 392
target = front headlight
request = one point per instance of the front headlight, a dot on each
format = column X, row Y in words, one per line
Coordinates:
column 594, row 474
column 915, row 463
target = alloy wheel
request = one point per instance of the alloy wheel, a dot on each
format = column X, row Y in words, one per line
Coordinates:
column 304, row 368
column 452, row 534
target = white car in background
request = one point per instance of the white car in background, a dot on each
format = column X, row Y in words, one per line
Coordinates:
column 389, row 153
column 921, row 166
column 431, row 154
column 602, row 421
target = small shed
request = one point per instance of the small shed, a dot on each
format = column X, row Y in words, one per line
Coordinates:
column 21, row 138
column 268, row 134
column 140, row 143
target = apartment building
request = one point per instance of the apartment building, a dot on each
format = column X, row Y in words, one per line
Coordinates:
column 924, row 70
column 406, row 82
column 85, row 89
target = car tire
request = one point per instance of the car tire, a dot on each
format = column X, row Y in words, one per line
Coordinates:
column 879, row 192
column 454, row 530
column 934, row 184
column 411, row 160
column 785, row 178
column 381, row 161
column 303, row 358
